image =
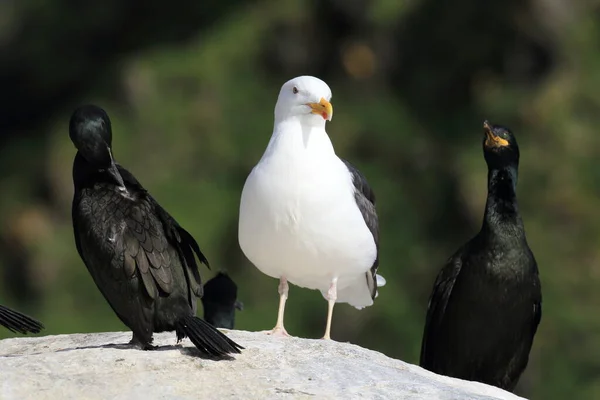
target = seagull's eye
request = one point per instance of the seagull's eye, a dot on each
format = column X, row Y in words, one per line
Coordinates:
column 295, row 90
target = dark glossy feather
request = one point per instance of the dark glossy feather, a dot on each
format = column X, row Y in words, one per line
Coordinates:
column 141, row 259
column 481, row 323
column 18, row 322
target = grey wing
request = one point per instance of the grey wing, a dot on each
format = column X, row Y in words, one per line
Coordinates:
column 365, row 200
column 438, row 300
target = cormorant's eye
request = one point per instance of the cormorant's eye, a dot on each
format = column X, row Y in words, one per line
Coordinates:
column 295, row 90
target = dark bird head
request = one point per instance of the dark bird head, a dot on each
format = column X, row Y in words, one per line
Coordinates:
column 91, row 133
column 500, row 147
column 220, row 301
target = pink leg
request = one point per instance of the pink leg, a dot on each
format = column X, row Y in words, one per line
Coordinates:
column 331, row 298
column 279, row 330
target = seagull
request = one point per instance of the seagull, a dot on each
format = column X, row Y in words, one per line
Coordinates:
column 308, row 217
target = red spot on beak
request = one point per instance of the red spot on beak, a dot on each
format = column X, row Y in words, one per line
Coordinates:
column 324, row 115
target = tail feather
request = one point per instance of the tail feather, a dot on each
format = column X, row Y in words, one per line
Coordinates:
column 206, row 337
column 17, row 322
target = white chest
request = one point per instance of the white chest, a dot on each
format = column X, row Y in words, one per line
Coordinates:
column 298, row 217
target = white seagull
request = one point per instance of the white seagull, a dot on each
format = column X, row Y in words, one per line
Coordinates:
column 307, row 216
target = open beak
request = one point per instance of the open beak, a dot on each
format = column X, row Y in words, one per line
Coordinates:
column 322, row 108
column 492, row 140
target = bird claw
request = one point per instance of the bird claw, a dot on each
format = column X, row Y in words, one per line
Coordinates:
column 277, row 331
column 142, row 344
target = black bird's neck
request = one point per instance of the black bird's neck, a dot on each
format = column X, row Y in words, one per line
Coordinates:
column 84, row 174
column 502, row 216
column 87, row 175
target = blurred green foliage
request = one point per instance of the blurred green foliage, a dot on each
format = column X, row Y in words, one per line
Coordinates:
column 412, row 83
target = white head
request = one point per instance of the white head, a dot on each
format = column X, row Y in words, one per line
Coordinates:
column 306, row 98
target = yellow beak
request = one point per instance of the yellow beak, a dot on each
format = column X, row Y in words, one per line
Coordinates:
column 492, row 140
column 322, row 108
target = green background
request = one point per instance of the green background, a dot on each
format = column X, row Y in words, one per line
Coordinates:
column 191, row 87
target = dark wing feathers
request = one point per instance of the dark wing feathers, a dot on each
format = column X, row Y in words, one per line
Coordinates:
column 186, row 247
column 193, row 244
column 195, row 282
column 129, row 266
column 360, row 182
column 148, row 245
column 365, row 200
column 176, row 236
column 442, row 289
column 111, row 268
column 143, row 267
column 17, row 322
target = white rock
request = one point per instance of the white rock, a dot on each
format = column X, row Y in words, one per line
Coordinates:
column 82, row 366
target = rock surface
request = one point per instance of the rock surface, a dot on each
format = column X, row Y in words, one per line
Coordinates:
column 100, row 366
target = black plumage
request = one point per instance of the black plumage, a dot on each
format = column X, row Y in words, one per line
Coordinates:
column 486, row 303
column 220, row 301
column 140, row 258
column 17, row 322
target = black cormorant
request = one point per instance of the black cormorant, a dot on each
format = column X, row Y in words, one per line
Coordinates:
column 486, row 303
column 17, row 322
column 220, row 301
column 140, row 258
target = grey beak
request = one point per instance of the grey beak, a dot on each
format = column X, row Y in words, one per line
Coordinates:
column 114, row 172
